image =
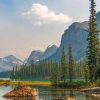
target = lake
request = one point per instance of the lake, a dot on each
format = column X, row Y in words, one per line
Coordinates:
column 46, row 93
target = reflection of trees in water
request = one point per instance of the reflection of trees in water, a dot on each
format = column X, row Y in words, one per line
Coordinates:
column 88, row 97
column 55, row 93
column 71, row 96
column 65, row 94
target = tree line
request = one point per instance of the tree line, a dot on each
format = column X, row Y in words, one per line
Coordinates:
column 55, row 72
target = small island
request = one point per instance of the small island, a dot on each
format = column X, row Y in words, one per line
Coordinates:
column 22, row 91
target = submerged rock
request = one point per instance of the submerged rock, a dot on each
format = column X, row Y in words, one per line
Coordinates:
column 24, row 91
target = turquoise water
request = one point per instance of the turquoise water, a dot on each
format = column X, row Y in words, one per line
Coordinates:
column 46, row 93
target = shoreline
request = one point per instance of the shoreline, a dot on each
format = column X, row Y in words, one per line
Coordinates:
column 93, row 91
column 26, row 83
column 45, row 84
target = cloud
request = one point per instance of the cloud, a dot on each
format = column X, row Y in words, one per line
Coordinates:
column 40, row 14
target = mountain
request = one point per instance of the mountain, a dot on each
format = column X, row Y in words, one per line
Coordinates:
column 49, row 51
column 34, row 56
column 76, row 36
column 8, row 62
column 38, row 55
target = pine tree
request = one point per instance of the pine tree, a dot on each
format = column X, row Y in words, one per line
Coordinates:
column 85, row 72
column 93, row 44
column 63, row 66
column 71, row 64
column 12, row 75
column 16, row 72
column 55, row 74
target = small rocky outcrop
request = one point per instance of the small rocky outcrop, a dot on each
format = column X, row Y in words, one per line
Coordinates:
column 24, row 91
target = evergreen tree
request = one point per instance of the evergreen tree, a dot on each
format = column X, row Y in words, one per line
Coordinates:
column 93, row 44
column 16, row 74
column 71, row 64
column 55, row 74
column 98, row 74
column 12, row 74
column 63, row 66
column 85, row 72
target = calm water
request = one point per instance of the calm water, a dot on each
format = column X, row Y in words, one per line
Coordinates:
column 49, row 93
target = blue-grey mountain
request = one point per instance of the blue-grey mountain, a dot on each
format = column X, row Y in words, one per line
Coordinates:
column 76, row 36
column 34, row 56
column 50, row 50
column 39, row 55
column 8, row 62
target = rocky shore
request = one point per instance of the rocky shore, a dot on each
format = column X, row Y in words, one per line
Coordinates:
column 24, row 91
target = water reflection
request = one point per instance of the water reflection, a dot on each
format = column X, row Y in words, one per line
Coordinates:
column 71, row 96
column 89, row 97
column 62, row 94
column 46, row 93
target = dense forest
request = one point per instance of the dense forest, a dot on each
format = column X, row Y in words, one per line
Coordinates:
column 62, row 71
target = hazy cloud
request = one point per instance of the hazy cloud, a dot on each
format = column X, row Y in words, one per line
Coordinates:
column 40, row 14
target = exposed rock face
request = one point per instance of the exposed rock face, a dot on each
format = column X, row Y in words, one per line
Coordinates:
column 39, row 55
column 50, row 50
column 34, row 56
column 24, row 91
column 76, row 36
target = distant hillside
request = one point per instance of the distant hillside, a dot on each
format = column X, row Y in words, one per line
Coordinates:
column 34, row 56
column 38, row 55
column 8, row 62
column 50, row 50
column 5, row 74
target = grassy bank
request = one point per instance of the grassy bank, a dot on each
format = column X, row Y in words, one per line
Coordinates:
column 79, row 84
column 35, row 83
column 74, row 84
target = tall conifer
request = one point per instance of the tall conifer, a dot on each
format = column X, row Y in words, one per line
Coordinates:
column 71, row 65
column 63, row 66
column 93, row 44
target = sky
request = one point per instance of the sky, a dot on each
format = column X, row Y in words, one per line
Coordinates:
column 27, row 25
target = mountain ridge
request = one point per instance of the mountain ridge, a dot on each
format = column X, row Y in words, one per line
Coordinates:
column 76, row 36
column 8, row 62
column 39, row 55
